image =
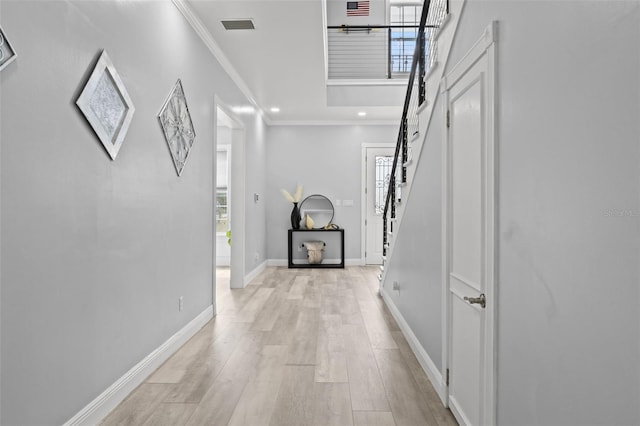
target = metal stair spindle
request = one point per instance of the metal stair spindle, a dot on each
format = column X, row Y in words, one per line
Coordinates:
column 405, row 143
column 414, row 98
column 422, row 69
column 384, row 237
column 393, row 194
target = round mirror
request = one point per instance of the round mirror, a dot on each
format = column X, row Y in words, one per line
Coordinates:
column 320, row 211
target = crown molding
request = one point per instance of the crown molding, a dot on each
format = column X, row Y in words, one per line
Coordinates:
column 215, row 49
column 217, row 52
column 334, row 123
column 369, row 82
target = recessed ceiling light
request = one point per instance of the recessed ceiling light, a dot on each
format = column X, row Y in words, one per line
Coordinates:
column 238, row 24
column 362, row 113
column 275, row 109
column 247, row 109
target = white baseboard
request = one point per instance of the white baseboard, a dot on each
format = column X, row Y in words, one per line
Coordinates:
column 257, row 271
column 347, row 262
column 432, row 372
column 100, row 407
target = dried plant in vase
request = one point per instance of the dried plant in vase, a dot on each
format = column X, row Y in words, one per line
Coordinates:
column 295, row 199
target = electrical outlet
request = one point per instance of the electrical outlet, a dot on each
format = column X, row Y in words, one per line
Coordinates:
column 180, row 303
column 256, row 256
column 396, row 286
column 300, row 247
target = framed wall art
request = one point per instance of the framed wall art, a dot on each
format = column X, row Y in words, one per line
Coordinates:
column 177, row 126
column 106, row 105
column 7, row 52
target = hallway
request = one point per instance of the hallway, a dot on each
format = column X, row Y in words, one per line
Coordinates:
column 295, row 347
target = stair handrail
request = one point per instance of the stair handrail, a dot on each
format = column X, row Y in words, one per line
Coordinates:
column 418, row 64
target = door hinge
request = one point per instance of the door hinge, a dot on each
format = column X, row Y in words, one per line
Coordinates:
column 447, row 377
column 448, row 119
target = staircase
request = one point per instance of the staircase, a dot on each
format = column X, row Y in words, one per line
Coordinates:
column 435, row 35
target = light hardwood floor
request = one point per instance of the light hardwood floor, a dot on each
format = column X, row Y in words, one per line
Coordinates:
column 296, row 347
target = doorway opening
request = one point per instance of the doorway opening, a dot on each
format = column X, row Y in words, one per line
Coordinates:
column 228, row 200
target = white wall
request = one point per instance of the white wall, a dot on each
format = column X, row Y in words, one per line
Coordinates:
column 416, row 261
column 568, row 205
column 337, row 13
column 255, row 183
column 95, row 253
column 325, row 160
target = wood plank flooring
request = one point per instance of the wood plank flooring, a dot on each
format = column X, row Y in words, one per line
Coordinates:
column 298, row 347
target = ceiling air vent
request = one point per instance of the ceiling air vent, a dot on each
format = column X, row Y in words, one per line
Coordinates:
column 238, row 24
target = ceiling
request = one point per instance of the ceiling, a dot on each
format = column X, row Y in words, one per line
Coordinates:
column 281, row 63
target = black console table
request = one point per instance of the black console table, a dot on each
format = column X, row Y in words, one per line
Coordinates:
column 316, row 265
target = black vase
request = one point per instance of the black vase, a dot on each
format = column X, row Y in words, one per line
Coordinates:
column 295, row 217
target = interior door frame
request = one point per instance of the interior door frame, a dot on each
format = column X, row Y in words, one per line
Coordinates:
column 486, row 45
column 363, row 200
column 237, row 217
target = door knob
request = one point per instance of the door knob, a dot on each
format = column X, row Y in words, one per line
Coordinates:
column 482, row 300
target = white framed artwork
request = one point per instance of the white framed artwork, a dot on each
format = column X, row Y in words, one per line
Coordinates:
column 7, row 52
column 106, row 105
column 177, row 126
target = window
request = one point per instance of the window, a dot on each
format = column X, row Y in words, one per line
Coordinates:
column 403, row 40
column 222, row 192
column 222, row 210
column 384, row 164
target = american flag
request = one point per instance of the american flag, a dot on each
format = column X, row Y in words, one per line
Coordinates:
column 358, row 8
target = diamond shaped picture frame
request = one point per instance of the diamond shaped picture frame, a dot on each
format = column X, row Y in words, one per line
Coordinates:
column 106, row 105
column 7, row 52
column 177, row 126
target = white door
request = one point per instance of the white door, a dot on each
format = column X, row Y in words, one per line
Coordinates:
column 379, row 162
column 470, row 240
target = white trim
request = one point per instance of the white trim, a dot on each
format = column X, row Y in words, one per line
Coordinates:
column 236, row 202
column 208, row 40
column 444, row 24
column 457, row 413
column 363, row 195
column 368, row 82
column 432, row 70
column 446, row 297
column 333, row 123
column 488, row 39
column 491, row 346
column 253, row 274
column 429, row 367
column 325, row 39
column 285, row 262
column 422, row 107
column 100, row 407
column 485, row 46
